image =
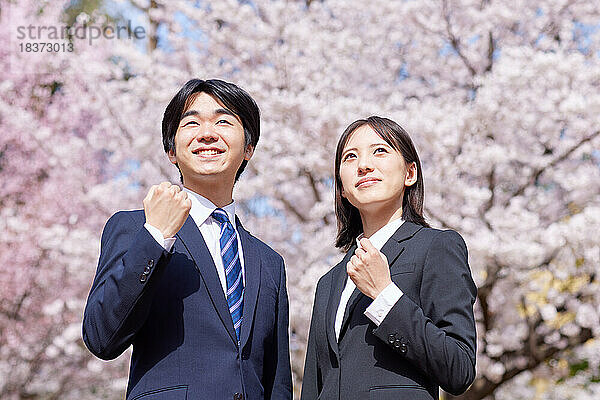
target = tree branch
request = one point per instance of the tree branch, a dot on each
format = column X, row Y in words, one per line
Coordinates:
column 281, row 197
column 490, row 54
column 153, row 37
column 534, row 348
column 536, row 173
column 483, row 293
column 313, row 184
column 288, row 206
column 316, row 194
column 483, row 387
column 455, row 41
column 491, row 179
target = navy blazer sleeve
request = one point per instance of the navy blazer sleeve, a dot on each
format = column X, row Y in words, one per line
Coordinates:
column 312, row 381
column 438, row 335
column 281, row 381
column 121, row 294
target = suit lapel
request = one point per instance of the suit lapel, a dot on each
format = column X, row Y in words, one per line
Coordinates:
column 196, row 246
column 355, row 297
column 392, row 250
column 395, row 246
column 337, row 286
column 252, row 270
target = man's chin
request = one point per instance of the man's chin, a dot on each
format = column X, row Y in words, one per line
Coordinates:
column 220, row 176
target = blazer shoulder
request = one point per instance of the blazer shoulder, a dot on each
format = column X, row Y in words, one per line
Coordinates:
column 123, row 223
column 328, row 276
column 125, row 220
column 437, row 242
column 264, row 249
column 441, row 235
column 127, row 216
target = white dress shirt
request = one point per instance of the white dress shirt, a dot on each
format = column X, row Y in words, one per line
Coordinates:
column 382, row 304
column 201, row 211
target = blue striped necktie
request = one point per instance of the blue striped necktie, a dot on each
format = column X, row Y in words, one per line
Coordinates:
column 233, row 269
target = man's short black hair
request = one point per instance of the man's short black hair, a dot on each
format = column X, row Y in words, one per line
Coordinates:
column 233, row 97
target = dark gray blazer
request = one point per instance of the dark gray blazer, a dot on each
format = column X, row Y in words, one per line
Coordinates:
column 427, row 340
column 171, row 307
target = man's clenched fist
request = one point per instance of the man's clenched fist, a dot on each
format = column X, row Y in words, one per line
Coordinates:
column 166, row 207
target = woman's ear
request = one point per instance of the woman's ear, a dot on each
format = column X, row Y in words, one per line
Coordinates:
column 411, row 174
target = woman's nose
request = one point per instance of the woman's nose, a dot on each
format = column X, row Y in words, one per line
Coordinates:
column 364, row 165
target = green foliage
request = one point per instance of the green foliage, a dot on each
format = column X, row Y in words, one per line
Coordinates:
column 76, row 7
column 579, row 366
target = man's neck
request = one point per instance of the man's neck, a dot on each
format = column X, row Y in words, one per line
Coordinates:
column 219, row 194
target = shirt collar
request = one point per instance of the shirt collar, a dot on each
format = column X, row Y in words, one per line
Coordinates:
column 202, row 208
column 379, row 238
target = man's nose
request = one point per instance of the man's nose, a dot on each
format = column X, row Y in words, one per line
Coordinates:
column 207, row 134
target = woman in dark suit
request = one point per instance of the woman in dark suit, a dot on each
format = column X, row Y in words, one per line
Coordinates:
column 402, row 326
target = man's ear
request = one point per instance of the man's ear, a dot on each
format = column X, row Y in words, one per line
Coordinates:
column 248, row 152
column 411, row 174
column 172, row 157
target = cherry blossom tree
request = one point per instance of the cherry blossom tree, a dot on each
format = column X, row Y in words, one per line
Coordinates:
column 51, row 159
column 501, row 98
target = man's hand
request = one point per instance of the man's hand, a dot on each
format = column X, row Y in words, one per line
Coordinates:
column 369, row 270
column 166, row 207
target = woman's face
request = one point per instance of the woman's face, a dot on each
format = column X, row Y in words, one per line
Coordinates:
column 373, row 173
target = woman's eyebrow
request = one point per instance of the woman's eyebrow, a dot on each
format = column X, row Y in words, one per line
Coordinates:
column 380, row 144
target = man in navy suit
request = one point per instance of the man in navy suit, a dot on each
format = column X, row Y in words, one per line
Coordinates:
column 202, row 301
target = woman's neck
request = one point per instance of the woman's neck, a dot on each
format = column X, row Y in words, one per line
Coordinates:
column 377, row 219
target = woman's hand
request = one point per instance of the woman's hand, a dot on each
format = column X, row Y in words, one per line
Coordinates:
column 369, row 270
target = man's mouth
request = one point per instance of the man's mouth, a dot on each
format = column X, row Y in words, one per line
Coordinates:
column 208, row 152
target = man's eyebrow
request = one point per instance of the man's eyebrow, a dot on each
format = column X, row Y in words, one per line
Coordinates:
column 189, row 113
column 218, row 111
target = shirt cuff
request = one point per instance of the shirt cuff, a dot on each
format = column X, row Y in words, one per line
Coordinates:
column 166, row 243
column 381, row 306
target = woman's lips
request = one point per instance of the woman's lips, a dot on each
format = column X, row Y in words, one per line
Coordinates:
column 365, row 182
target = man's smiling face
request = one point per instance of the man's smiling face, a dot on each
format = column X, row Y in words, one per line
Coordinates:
column 209, row 142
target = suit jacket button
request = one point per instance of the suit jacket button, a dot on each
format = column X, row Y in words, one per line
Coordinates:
column 403, row 348
column 238, row 396
column 391, row 339
column 150, row 263
column 146, row 270
column 143, row 278
column 397, row 343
